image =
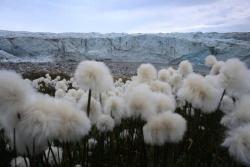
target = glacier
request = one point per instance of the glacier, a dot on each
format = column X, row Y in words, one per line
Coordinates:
column 168, row 48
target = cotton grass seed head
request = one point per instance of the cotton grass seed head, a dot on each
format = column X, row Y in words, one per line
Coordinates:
column 241, row 113
column 20, row 162
column 115, row 107
column 185, row 68
column 57, row 151
column 235, row 76
column 158, row 86
column 105, row 123
column 163, row 75
column 94, row 75
column 210, row 60
column 165, row 127
column 238, row 143
column 95, row 108
column 141, row 102
column 199, row 93
column 227, row 105
column 165, row 102
column 14, row 91
column 217, row 67
column 146, row 73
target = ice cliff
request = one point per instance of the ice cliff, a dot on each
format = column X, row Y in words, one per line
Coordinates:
column 155, row 48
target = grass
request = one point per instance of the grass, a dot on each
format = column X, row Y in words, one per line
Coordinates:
column 200, row 146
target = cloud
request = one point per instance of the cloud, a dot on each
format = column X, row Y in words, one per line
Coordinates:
column 145, row 16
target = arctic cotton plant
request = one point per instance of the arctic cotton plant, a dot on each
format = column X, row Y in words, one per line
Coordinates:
column 46, row 118
column 146, row 73
column 164, row 75
column 115, row 107
column 185, row 68
column 210, row 60
column 238, row 142
column 165, row 127
column 105, row 123
column 93, row 75
column 53, row 156
column 141, row 102
column 200, row 93
column 20, row 162
column 235, row 76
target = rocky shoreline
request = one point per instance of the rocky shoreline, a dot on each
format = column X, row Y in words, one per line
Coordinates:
column 118, row 69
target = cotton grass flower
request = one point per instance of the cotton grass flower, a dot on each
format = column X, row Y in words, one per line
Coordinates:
column 185, row 68
column 95, row 108
column 158, row 86
column 20, row 162
column 53, row 160
column 217, row 67
column 92, row 143
column 93, row 75
column 199, row 93
column 235, row 76
column 210, row 60
column 164, row 75
column 115, row 107
column 105, row 123
column 46, row 118
column 146, row 73
column 165, row 127
column 164, row 102
column 61, row 85
column 241, row 114
column 141, row 102
column 14, row 91
column 227, row 104
column 60, row 93
column 238, row 142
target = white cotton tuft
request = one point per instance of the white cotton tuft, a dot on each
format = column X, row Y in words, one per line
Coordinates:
column 210, row 60
column 176, row 82
column 115, row 107
column 46, row 118
column 241, row 113
column 141, row 102
column 92, row 143
column 172, row 71
column 165, row 127
column 146, row 73
column 60, row 93
column 235, row 76
column 94, row 75
column 78, row 95
column 105, row 123
column 95, row 108
column 61, row 85
column 20, row 162
column 124, row 134
column 217, row 67
column 158, row 86
column 14, row 91
column 227, row 104
column 57, row 151
column 185, row 68
column 199, row 93
column 165, row 102
column 238, row 142
column 213, row 80
column 164, row 75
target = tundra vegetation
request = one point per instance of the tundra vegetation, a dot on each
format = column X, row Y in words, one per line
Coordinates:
column 171, row 117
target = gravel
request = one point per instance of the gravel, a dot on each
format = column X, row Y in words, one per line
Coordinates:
column 118, row 69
